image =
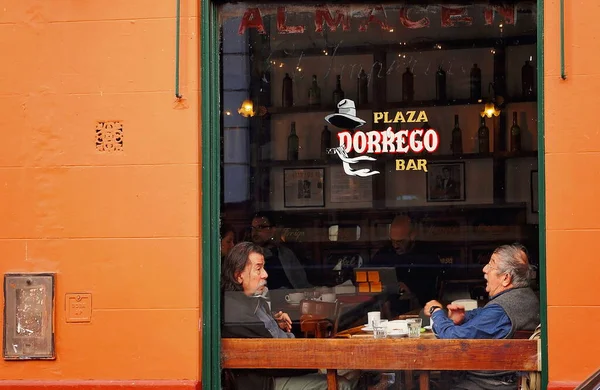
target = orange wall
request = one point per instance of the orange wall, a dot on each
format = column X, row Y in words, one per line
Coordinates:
column 123, row 226
column 572, row 166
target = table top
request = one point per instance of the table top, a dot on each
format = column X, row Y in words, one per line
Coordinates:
column 357, row 331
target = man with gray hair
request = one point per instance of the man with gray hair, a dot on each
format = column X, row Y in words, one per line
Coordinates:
column 513, row 306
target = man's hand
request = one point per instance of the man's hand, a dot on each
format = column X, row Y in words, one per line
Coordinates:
column 456, row 313
column 283, row 320
column 429, row 305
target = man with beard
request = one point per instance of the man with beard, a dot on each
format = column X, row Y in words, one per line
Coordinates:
column 246, row 314
column 513, row 306
column 416, row 270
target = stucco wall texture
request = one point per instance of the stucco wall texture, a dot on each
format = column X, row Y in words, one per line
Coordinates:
column 572, row 163
column 125, row 225
column 121, row 225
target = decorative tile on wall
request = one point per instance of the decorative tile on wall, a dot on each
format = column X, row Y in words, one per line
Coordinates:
column 109, row 136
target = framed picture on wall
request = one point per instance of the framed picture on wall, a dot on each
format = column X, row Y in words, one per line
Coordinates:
column 446, row 182
column 535, row 208
column 304, row 187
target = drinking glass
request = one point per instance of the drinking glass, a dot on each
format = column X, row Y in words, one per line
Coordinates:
column 414, row 327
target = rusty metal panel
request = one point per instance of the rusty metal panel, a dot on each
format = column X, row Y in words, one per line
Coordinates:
column 28, row 316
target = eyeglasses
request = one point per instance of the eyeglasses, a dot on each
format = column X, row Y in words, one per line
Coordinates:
column 490, row 266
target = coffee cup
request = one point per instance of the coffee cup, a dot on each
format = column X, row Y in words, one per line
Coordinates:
column 327, row 297
column 374, row 317
column 294, row 298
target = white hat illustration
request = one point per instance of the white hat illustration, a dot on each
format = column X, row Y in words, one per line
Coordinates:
column 345, row 116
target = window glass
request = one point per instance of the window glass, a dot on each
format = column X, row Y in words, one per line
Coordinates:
column 377, row 155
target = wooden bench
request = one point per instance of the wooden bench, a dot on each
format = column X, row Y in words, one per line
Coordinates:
column 420, row 355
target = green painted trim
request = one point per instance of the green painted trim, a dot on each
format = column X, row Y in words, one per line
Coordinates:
column 542, row 191
column 210, row 198
column 177, row 39
column 563, row 72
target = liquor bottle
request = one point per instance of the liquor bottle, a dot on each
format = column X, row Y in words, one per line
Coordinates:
column 527, row 75
column 515, row 135
column 293, row 143
column 338, row 93
column 475, row 83
column 456, row 145
column 440, row 85
column 287, row 92
column 408, row 86
column 325, row 142
column 483, row 135
column 363, row 88
column 314, row 93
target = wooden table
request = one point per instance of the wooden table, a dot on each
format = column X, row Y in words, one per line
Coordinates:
column 359, row 353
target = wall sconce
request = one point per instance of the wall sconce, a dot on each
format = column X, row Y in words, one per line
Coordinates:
column 247, row 109
column 490, row 110
column 494, row 105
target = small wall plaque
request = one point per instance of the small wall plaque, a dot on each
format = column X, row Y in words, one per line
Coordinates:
column 28, row 316
column 79, row 307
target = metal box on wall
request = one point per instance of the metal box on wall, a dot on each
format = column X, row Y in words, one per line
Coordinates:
column 28, row 316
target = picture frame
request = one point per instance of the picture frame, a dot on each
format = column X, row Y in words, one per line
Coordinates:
column 304, row 187
column 446, row 182
column 535, row 207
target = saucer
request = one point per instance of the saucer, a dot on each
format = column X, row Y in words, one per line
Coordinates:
column 293, row 303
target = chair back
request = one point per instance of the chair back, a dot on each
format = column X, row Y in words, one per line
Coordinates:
column 319, row 319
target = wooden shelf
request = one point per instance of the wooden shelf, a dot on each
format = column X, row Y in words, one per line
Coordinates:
column 394, row 105
column 308, row 163
column 423, row 45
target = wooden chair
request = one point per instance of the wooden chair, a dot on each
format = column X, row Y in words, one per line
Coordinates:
column 319, row 319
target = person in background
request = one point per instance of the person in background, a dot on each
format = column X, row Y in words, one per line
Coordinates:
column 416, row 270
column 281, row 262
column 227, row 239
column 246, row 314
column 513, row 306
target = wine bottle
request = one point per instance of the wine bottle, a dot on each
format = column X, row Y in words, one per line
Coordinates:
column 363, row 87
column 325, row 142
column 483, row 135
column 338, row 93
column 475, row 83
column 440, row 85
column 456, row 145
column 527, row 75
column 408, row 86
column 287, row 92
column 515, row 135
column 293, row 143
column 314, row 93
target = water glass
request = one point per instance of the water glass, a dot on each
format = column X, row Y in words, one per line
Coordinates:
column 414, row 327
column 380, row 331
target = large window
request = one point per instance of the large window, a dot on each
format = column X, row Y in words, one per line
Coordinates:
column 397, row 139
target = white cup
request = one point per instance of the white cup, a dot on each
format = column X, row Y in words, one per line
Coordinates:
column 294, row 298
column 327, row 297
column 374, row 317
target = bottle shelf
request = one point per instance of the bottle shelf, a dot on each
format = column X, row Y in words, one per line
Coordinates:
column 424, row 45
column 395, row 105
column 388, row 157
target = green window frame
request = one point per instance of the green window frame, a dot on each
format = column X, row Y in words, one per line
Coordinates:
column 210, row 196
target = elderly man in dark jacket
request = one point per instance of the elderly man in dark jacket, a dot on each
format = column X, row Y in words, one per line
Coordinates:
column 247, row 315
column 513, row 306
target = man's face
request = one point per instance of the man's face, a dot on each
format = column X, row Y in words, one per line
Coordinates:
column 254, row 277
column 262, row 231
column 496, row 281
column 401, row 237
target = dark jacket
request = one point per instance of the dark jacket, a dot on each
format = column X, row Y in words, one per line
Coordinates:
column 240, row 321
